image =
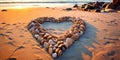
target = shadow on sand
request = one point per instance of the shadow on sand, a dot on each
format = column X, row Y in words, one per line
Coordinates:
column 76, row 50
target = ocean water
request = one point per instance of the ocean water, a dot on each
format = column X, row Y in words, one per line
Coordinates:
column 27, row 5
column 4, row 4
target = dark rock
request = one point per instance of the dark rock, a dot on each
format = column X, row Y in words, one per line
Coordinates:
column 83, row 6
column 68, row 9
column 97, row 10
column 75, row 6
column 109, row 6
column 105, row 4
column 96, row 5
column 116, row 2
column 89, row 7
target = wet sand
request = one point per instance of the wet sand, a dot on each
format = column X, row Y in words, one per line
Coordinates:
column 100, row 41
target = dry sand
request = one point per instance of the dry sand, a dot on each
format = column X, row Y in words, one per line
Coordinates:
column 101, row 38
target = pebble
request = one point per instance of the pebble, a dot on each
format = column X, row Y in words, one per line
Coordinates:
column 50, row 50
column 51, row 42
column 68, row 42
column 54, row 55
column 46, row 45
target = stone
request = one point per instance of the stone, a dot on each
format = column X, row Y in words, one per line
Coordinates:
column 37, row 31
column 59, row 42
column 50, row 50
column 96, row 5
column 36, row 35
column 83, row 6
column 75, row 36
column 46, row 35
column 83, row 26
column 68, row 42
column 39, row 38
column 59, row 52
column 42, row 41
column 109, row 6
column 81, row 32
column 116, row 2
column 89, row 7
column 62, row 47
column 31, row 25
column 105, row 4
column 68, row 9
column 49, row 37
column 54, row 55
column 75, row 6
column 109, row 10
column 51, row 42
column 46, row 45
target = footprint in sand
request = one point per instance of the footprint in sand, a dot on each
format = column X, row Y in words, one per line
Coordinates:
column 38, row 57
column 3, row 23
column 109, row 38
column 14, row 24
column 108, row 42
column 11, row 43
column 21, row 35
column 12, row 59
column 8, row 32
column 1, row 34
column 18, row 48
column 10, row 38
column 111, row 53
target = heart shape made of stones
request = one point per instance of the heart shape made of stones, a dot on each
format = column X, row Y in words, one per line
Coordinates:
column 56, row 45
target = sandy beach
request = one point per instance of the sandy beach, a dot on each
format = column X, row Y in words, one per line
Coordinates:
column 101, row 40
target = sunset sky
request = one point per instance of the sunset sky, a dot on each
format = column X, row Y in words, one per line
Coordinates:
column 47, row 0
